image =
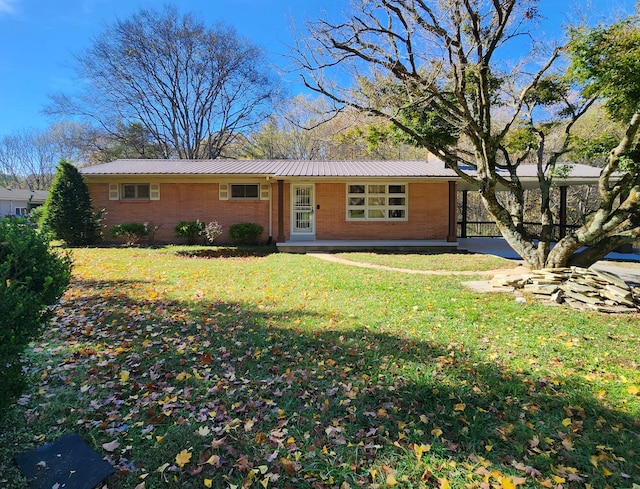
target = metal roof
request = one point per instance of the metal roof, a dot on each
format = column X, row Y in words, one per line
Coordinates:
column 274, row 168
column 431, row 168
column 23, row 194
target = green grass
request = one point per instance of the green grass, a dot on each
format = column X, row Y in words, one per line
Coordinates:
column 432, row 261
column 290, row 371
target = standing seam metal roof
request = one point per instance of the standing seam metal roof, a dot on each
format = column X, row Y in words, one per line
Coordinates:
column 275, row 168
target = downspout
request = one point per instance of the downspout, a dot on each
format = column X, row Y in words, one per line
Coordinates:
column 270, row 212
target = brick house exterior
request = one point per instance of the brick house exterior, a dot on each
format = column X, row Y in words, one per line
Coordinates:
column 291, row 200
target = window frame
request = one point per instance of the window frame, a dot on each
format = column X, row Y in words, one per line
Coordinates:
column 245, row 185
column 376, row 198
column 136, row 186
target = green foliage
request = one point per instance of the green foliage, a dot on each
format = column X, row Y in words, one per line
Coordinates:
column 606, row 60
column 548, row 91
column 68, row 211
column 32, row 278
column 189, row 230
column 521, row 139
column 595, row 148
column 245, row 233
column 132, row 232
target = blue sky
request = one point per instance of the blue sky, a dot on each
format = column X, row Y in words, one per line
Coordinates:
column 38, row 38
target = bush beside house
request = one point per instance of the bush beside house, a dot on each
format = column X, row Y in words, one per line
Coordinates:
column 32, row 278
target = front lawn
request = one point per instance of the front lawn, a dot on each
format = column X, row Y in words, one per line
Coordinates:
column 289, row 371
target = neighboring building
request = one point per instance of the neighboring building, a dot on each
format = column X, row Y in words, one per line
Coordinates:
column 294, row 201
column 18, row 202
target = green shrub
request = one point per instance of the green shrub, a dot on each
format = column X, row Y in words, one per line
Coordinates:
column 245, row 233
column 189, row 230
column 68, row 211
column 132, row 232
column 32, row 278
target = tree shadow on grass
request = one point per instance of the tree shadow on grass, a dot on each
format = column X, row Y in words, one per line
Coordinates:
column 284, row 397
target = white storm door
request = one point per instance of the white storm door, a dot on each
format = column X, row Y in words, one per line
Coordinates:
column 302, row 211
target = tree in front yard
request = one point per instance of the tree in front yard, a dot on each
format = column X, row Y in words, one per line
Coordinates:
column 473, row 83
column 68, row 212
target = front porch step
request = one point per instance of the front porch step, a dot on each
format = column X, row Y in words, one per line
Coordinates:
column 389, row 246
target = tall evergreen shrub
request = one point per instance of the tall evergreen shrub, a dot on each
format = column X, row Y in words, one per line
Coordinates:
column 68, row 211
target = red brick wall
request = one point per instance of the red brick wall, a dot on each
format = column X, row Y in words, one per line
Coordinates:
column 180, row 202
column 187, row 201
column 427, row 218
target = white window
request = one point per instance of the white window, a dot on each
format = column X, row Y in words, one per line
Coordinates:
column 245, row 191
column 21, row 211
column 377, row 202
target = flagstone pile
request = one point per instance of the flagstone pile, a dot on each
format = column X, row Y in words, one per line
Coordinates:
column 580, row 288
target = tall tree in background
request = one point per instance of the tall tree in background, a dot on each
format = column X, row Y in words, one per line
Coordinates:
column 68, row 211
column 445, row 73
column 192, row 87
column 28, row 159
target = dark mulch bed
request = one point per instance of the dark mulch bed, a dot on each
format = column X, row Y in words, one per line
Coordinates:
column 257, row 251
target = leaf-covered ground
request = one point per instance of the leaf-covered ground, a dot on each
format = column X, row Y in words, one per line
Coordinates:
column 289, row 371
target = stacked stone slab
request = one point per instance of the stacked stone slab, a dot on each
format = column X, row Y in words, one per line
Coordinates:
column 581, row 288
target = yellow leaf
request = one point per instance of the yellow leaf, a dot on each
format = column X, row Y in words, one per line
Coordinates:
column 424, row 419
column 436, row 432
column 124, row 376
column 460, row 407
column 208, row 483
column 633, row 390
column 264, row 482
column 420, row 450
column 558, row 479
column 506, row 483
column 444, row 484
column 162, row 468
column 606, row 473
column 567, row 444
column 183, row 458
column 566, row 421
column 391, row 478
column 213, row 460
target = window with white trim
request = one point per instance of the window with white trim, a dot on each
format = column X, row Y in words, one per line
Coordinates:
column 136, row 191
column 377, row 202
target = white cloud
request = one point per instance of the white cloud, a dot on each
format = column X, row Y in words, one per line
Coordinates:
column 7, row 6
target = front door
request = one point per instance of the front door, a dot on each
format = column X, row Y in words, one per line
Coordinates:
column 302, row 211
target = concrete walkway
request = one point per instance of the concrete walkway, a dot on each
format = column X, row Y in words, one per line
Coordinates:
column 624, row 265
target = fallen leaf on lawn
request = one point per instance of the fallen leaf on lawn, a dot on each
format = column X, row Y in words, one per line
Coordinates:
column 460, row 407
column 183, row 458
column 444, row 483
column 204, row 431
column 124, row 376
column 111, row 446
column 162, row 468
column 208, row 483
column 391, row 478
column 633, row 390
column 213, row 460
column 506, row 483
column 419, row 450
column 436, row 432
